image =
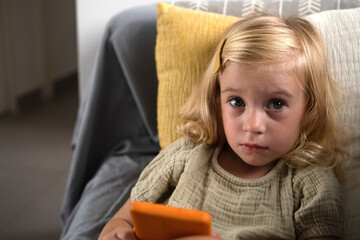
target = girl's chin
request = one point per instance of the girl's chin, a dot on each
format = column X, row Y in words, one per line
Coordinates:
column 258, row 162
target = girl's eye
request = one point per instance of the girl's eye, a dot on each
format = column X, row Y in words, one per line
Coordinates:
column 276, row 104
column 236, row 102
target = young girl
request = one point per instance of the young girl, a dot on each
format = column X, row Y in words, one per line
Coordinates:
column 261, row 141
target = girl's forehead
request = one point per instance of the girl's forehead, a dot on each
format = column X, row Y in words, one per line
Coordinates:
column 263, row 77
column 282, row 68
column 285, row 68
column 288, row 66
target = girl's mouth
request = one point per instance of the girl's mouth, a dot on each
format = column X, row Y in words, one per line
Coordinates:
column 253, row 148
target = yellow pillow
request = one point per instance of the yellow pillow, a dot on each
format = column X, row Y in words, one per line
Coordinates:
column 186, row 39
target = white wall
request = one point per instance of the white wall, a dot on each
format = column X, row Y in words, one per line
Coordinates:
column 37, row 47
column 92, row 17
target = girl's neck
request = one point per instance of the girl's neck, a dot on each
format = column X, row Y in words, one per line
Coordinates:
column 234, row 165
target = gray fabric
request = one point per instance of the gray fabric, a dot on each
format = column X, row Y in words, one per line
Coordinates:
column 107, row 191
column 120, row 103
column 283, row 8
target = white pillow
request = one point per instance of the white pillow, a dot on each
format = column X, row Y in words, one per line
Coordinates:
column 340, row 30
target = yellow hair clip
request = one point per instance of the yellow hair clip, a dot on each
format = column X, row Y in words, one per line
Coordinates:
column 218, row 60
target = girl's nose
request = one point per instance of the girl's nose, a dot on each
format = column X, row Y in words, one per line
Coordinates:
column 254, row 122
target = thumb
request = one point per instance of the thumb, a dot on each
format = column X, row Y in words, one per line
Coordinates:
column 127, row 235
column 215, row 235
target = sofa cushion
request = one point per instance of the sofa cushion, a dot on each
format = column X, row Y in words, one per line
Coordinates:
column 340, row 30
column 283, row 8
column 185, row 43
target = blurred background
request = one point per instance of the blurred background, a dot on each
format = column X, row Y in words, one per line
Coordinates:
column 38, row 102
column 47, row 53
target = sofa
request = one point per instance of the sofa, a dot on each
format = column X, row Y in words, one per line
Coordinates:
column 124, row 121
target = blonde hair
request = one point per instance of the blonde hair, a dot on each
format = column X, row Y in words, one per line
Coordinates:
column 272, row 42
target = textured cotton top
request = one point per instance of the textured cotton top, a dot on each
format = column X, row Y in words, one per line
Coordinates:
column 284, row 204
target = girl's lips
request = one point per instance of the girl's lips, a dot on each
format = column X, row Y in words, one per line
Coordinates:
column 253, row 148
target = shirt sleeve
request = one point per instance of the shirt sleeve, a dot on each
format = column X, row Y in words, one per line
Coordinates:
column 161, row 176
column 318, row 206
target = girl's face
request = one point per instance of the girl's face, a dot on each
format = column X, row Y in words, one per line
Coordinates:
column 261, row 112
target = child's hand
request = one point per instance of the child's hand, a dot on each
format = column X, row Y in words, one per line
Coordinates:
column 213, row 236
column 126, row 235
column 117, row 229
column 120, row 226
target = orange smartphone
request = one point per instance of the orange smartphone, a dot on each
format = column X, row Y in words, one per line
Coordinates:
column 160, row 222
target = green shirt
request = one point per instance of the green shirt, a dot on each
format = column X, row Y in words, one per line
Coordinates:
column 284, row 204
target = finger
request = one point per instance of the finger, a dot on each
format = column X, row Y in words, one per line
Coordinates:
column 127, row 235
column 215, row 235
column 195, row 237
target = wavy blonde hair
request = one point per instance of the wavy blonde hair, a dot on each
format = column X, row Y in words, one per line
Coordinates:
column 274, row 43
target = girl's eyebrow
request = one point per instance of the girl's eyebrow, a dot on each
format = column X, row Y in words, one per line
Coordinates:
column 283, row 92
column 230, row 89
